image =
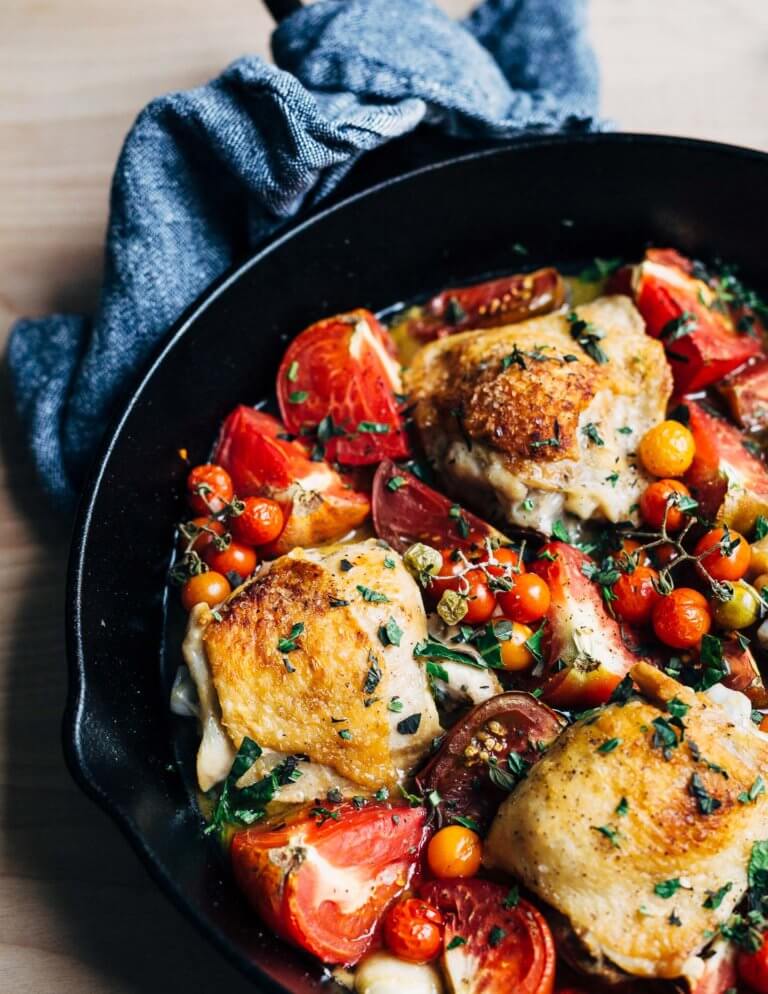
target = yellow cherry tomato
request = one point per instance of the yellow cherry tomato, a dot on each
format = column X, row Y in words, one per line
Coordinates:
column 454, row 851
column 205, row 588
column 758, row 562
column 760, row 583
column 741, row 611
column 515, row 654
column 667, row 449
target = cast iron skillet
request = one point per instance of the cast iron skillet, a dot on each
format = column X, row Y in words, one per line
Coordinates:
column 560, row 197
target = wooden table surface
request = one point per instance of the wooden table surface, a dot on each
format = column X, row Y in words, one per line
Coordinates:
column 77, row 911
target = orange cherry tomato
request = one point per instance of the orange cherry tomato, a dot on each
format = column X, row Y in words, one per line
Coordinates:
column 413, row 930
column 515, row 654
column 261, row 521
column 481, row 601
column 454, row 851
column 209, row 488
column 629, row 548
column 205, row 538
column 682, row 618
column 730, row 556
column 236, row 558
column 763, row 726
column 636, row 595
column 507, row 558
column 528, row 600
column 653, row 503
column 667, row 449
column 205, row 588
column 753, row 968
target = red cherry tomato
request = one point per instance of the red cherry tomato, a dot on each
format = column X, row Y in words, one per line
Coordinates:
column 527, row 601
column 481, row 601
column 508, row 559
column 261, row 521
column 753, row 968
column 653, row 504
column 682, row 618
column 374, row 849
column 236, row 558
column 209, row 488
column 204, row 539
column 636, row 595
column 342, row 367
column 730, row 555
column 413, row 930
column 205, row 588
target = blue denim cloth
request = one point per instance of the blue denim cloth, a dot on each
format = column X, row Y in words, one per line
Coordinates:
column 206, row 175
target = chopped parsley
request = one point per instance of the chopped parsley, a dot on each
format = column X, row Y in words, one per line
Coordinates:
column 297, row 396
column 761, row 527
column 625, row 430
column 372, row 596
column 337, row 602
column 390, row 632
column 715, row 898
column 560, row 531
column 456, row 941
column 588, row 336
column 344, row 733
column 289, row 644
column 750, row 796
column 437, row 671
column 395, row 482
column 465, row 822
column 666, row 888
column 591, row 431
column 409, row 725
column 395, row 705
column 373, row 676
column 345, row 565
column 373, row 428
column 599, row 269
column 622, row 807
column 685, row 324
column 609, row 745
column 609, row 832
column 705, row 801
column 513, row 898
column 496, row 936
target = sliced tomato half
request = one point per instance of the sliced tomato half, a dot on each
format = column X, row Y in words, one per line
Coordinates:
column 323, row 882
column 746, row 393
column 701, row 341
column 340, row 373
column 588, row 651
column 262, row 461
column 729, row 482
column 406, row 510
column 521, row 724
column 492, row 945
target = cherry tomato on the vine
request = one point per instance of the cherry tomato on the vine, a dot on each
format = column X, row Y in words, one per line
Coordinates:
column 413, row 930
column 508, row 559
column 653, row 504
column 236, row 558
column 209, row 488
column 635, row 595
column 682, row 618
column 515, row 654
column 667, row 449
column 454, row 851
column 205, row 588
column 481, row 601
column 210, row 528
column 261, row 521
column 730, row 554
column 632, row 551
column 527, row 601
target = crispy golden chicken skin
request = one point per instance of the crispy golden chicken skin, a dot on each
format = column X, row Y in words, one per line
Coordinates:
column 629, row 837
column 324, row 691
column 525, row 413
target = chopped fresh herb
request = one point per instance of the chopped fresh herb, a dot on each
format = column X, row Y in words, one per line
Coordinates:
column 395, row 482
column 434, row 798
column 334, row 795
column 528, row 504
column 345, row 734
column 390, row 633
column 373, row 428
column 625, row 430
column 612, row 478
column 515, row 358
column 337, row 602
column 533, row 644
column 715, row 898
column 456, row 941
column 622, row 807
column 512, row 899
column 297, row 396
column 431, row 649
column 454, row 312
column 714, row 666
column 761, row 527
column 756, row 716
column 465, row 822
column 678, row 708
column 389, row 562
column 437, row 671
column 381, row 794
column 410, row 724
column 705, row 801
column 345, row 565
column 288, row 644
column 287, row 664
column 293, row 372
column 666, row 888
column 359, row 801
column 664, row 736
column 373, row 596
column 623, row 691
column 750, row 796
column 395, row 705
column 588, row 337
column 599, row 269
column 609, row 745
column 496, row 936
column 560, row 531
column 609, row 832
column 373, row 676
column 323, row 814
column 674, row 919
column 685, row 324
column 570, row 358
column 591, row 431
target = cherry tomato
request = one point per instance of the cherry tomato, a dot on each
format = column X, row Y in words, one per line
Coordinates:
column 667, row 449
column 205, row 588
column 763, row 726
column 682, row 618
column 664, row 554
column 515, row 654
column 741, row 610
column 374, row 849
column 205, row 538
column 629, row 548
column 454, row 851
column 753, row 968
column 507, row 558
column 481, row 601
column 528, row 600
column 236, row 558
column 730, row 555
column 413, row 930
column 758, row 563
column 448, row 576
column 261, row 521
column 636, row 596
column 209, row 488
column 653, row 503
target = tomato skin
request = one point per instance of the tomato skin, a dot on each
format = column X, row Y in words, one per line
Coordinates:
column 261, row 521
column 653, row 504
column 682, row 618
column 630, row 551
column 236, row 558
column 380, row 842
column 507, row 558
column 636, row 595
column 481, row 601
column 747, row 395
column 515, row 655
column 527, row 601
column 332, row 369
column 753, row 968
column 205, row 588
column 667, row 449
column 732, row 566
column 202, row 499
column 205, row 538
column 413, row 930
column 454, row 851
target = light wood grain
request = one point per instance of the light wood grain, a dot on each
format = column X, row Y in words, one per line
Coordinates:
column 77, row 912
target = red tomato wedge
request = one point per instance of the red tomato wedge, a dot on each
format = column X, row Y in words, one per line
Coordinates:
column 324, row 883
column 488, row 305
column 730, row 484
column 465, row 785
column 581, row 633
column 505, row 949
column 406, row 510
column 319, row 505
column 702, row 343
column 342, row 368
column 746, row 394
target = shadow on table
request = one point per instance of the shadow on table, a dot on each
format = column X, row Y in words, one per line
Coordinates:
column 97, row 900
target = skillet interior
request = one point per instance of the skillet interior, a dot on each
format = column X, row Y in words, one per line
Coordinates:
column 563, row 198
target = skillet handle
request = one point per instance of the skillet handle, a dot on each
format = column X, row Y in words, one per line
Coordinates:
column 280, row 9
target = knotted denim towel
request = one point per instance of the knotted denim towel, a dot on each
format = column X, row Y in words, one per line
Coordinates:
column 207, row 174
